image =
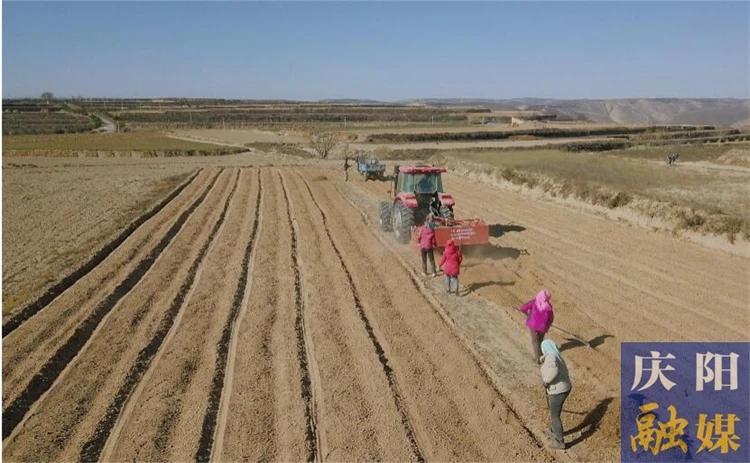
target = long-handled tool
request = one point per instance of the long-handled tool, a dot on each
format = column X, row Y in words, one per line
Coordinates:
column 575, row 336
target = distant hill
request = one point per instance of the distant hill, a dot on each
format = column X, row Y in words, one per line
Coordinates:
column 719, row 112
column 353, row 101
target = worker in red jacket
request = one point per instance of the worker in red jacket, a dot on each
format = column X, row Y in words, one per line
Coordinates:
column 451, row 264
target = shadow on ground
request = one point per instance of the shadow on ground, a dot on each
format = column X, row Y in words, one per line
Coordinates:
column 572, row 343
column 491, row 251
column 470, row 288
column 590, row 422
column 497, row 230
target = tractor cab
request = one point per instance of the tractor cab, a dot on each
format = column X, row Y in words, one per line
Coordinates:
column 421, row 188
column 423, row 182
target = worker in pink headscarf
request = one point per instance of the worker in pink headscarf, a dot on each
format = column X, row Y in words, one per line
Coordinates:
column 539, row 317
column 427, row 244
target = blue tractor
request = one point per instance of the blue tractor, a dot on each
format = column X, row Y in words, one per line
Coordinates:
column 370, row 168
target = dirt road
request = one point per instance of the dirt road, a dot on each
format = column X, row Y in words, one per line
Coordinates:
column 108, row 125
column 252, row 317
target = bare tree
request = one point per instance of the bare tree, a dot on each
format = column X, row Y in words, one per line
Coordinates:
column 323, row 143
column 46, row 96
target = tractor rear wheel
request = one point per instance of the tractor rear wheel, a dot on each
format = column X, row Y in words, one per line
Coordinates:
column 446, row 212
column 403, row 220
column 384, row 216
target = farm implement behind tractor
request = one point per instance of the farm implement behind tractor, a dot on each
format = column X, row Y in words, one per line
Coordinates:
column 463, row 232
column 418, row 192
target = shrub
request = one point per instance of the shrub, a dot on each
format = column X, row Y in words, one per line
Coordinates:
column 598, row 145
column 618, row 199
column 689, row 219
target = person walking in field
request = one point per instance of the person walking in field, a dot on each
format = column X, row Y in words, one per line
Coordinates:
column 557, row 385
column 427, row 244
column 346, row 169
column 451, row 264
column 539, row 317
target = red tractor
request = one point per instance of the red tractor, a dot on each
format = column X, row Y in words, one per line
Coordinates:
column 417, row 192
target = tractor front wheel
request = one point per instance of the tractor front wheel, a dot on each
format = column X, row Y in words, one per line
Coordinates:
column 384, row 216
column 403, row 220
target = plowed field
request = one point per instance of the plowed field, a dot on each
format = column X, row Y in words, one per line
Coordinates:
column 259, row 314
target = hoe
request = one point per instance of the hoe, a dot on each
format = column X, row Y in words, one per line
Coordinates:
column 417, row 192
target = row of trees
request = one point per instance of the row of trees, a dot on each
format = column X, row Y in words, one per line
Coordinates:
column 323, row 143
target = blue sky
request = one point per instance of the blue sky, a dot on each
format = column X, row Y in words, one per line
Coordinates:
column 385, row 51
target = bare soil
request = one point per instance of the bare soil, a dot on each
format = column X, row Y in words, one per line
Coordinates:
column 611, row 282
column 241, row 136
column 57, row 213
column 54, row 217
column 260, row 315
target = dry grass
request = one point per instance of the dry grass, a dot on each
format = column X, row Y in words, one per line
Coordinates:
column 74, row 144
column 292, row 149
column 694, row 153
column 696, row 198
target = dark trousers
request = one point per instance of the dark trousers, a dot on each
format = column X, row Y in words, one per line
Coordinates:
column 536, row 343
column 556, row 402
column 346, row 175
column 425, row 254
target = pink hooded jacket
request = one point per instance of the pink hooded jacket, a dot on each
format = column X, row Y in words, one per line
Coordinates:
column 451, row 261
column 427, row 237
column 539, row 312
